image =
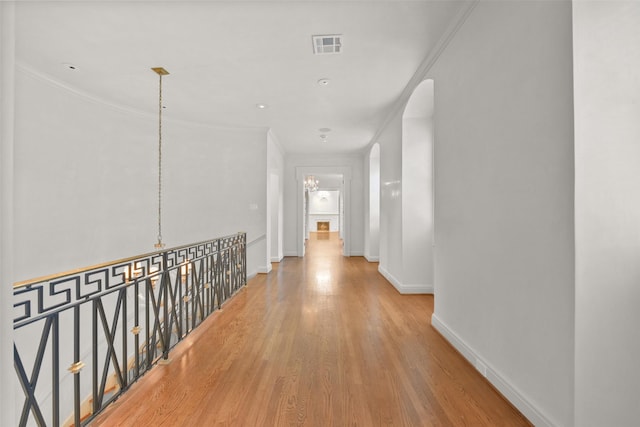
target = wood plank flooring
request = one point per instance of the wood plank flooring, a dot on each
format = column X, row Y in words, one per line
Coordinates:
column 320, row 341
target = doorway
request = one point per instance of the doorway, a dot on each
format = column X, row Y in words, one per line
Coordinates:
column 329, row 202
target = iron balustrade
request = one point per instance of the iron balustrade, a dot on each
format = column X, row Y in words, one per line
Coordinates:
column 107, row 325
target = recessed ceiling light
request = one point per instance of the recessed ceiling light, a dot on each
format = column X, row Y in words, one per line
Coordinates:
column 69, row 66
column 323, row 82
column 325, row 130
column 323, row 136
column 261, row 106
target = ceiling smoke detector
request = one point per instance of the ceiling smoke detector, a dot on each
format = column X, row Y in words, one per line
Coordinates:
column 327, row 44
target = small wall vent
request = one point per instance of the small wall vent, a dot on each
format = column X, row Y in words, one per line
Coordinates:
column 327, row 44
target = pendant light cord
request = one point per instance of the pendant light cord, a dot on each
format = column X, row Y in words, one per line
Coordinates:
column 160, row 244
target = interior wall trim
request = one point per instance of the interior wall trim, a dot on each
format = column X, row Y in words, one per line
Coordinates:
column 151, row 115
column 403, row 288
column 502, row 384
column 256, row 240
column 265, row 269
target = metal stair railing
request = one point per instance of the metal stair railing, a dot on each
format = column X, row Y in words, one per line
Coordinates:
column 76, row 332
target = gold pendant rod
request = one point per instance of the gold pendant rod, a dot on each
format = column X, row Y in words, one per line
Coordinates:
column 161, row 72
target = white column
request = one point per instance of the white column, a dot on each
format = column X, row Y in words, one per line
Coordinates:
column 7, row 94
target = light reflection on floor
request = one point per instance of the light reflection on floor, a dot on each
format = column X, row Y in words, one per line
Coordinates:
column 320, row 246
column 323, row 282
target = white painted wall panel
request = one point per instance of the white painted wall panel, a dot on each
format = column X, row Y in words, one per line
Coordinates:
column 417, row 209
column 607, row 126
column 391, row 199
column 504, row 198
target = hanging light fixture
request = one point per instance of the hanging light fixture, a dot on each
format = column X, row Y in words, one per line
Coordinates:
column 161, row 72
column 311, row 183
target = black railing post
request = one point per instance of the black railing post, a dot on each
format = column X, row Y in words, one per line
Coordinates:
column 94, row 347
column 55, row 374
column 125, row 365
column 164, row 283
column 76, row 360
column 136, row 326
column 244, row 258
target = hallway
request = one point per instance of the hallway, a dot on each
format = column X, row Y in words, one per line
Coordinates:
column 321, row 340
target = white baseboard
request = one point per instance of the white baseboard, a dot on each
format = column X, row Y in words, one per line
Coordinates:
column 395, row 282
column 294, row 253
column 416, row 288
column 276, row 259
column 356, row 253
column 251, row 275
column 405, row 288
column 508, row 390
column 372, row 258
column 265, row 269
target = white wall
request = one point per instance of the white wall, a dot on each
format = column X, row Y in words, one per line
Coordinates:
column 7, row 64
column 504, row 263
column 504, row 201
column 324, row 202
column 390, row 141
column 406, row 196
column 324, row 205
column 86, row 181
column 275, row 198
column 607, row 127
column 417, row 203
column 417, row 190
column 372, row 204
column 355, row 163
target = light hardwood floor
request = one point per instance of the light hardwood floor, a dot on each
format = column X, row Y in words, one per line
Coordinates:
column 320, row 341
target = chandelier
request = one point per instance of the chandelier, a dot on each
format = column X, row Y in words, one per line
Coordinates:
column 161, row 72
column 311, row 183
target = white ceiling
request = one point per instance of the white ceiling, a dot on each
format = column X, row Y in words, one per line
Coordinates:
column 226, row 57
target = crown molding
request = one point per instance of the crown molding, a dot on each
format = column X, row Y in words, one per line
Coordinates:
column 45, row 78
column 425, row 66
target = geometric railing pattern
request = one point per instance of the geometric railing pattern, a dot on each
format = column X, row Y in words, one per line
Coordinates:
column 81, row 338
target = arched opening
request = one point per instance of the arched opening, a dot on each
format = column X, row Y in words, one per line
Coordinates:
column 417, row 189
column 372, row 235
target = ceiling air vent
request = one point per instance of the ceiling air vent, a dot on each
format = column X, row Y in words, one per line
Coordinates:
column 327, row 44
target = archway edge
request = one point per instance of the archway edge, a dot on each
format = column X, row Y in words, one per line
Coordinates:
column 420, row 103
